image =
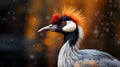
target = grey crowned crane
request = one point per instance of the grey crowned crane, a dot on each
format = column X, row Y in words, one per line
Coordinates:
column 71, row 24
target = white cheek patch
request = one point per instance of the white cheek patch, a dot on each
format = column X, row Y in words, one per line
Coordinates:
column 70, row 26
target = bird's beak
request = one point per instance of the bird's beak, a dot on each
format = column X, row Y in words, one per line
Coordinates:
column 49, row 27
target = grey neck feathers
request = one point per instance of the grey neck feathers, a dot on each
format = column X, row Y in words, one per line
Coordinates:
column 69, row 53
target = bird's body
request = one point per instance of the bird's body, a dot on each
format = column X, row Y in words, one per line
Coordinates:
column 70, row 55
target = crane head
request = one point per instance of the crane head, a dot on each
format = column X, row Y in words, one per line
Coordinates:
column 66, row 21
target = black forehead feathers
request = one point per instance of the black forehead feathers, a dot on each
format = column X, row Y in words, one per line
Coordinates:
column 65, row 18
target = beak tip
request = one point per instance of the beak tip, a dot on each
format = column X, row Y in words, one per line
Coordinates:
column 39, row 30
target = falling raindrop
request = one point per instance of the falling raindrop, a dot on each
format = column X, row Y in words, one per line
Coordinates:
column 13, row 13
column 9, row 22
column 35, row 19
column 99, row 20
column 111, row 23
column 110, row 5
column 34, row 45
column 26, row 18
column 107, row 30
column 2, row 64
column 114, row 5
column 102, row 35
column 8, row 12
column 96, row 0
column 13, row 17
column 33, row 33
column 96, row 27
column 104, row 27
column 96, row 35
column 110, row 1
column 30, row 11
column 11, row 39
column 105, row 2
column 96, row 14
column 31, row 56
column 107, row 24
column 118, row 41
column 112, row 34
column 102, row 23
column 96, row 31
column 14, row 0
column 47, row 17
column 115, row 37
column 4, row 19
column 103, row 15
column 59, row 38
column 41, row 34
column 111, row 13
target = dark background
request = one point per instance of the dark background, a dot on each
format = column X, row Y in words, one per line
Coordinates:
column 22, row 46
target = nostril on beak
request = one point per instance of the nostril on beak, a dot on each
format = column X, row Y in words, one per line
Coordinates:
column 51, row 25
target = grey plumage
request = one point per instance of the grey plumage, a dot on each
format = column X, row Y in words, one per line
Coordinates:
column 70, row 54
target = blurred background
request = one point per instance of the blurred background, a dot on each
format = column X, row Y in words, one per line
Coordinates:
column 22, row 46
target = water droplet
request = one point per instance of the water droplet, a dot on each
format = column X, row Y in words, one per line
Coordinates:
column 107, row 30
column 96, row 35
column 13, row 17
column 104, row 27
column 96, row 31
column 118, row 41
column 96, row 0
column 96, row 27
column 103, row 15
column 110, row 1
column 105, row 2
column 8, row 12
column 102, row 23
column 112, row 34
column 33, row 33
column 102, row 35
column 31, row 56
column 4, row 19
column 26, row 18
column 9, row 22
column 107, row 24
column 111, row 13
column 14, row 0
column 13, row 13
column 115, row 37
column 96, row 14
column 11, row 39
column 35, row 19
column 34, row 46
column 115, row 5
column 111, row 23
column 30, row 11
column 41, row 34
column 47, row 17
column 2, row 64
column 59, row 38
column 116, row 34
column 110, row 5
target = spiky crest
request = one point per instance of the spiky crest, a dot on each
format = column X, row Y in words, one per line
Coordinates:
column 76, row 16
column 55, row 17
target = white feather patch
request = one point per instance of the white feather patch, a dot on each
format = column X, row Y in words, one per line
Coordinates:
column 70, row 27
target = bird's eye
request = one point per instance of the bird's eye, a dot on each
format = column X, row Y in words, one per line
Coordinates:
column 64, row 23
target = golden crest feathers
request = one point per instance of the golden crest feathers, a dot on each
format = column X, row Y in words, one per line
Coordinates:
column 76, row 16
